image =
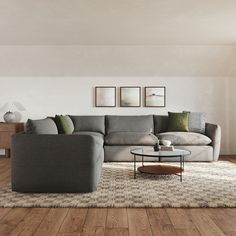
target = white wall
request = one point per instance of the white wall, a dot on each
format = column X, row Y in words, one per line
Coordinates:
column 231, row 117
column 45, row 96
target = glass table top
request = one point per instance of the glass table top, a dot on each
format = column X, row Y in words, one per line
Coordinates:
column 152, row 153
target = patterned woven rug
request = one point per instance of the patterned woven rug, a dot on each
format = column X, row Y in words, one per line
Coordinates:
column 204, row 185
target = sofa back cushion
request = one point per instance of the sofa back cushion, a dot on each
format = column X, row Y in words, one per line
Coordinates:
column 160, row 124
column 43, row 126
column 129, row 124
column 89, row 123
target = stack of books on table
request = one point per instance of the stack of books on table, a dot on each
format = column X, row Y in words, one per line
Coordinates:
column 167, row 148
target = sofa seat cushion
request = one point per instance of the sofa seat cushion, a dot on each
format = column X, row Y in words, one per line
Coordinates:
column 129, row 124
column 130, row 138
column 185, row 138
column 98, row 136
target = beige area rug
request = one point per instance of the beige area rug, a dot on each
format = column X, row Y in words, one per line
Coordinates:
column 204, row 185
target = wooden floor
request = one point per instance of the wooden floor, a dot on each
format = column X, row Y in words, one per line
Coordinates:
column 114, row 221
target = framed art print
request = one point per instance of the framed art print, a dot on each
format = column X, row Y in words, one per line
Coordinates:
column 130, row 96
column 155, row 96
column 105, row 96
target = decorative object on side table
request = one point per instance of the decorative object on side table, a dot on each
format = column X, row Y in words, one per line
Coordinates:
column 6, row 131
column 13, row 111
column 9, row 117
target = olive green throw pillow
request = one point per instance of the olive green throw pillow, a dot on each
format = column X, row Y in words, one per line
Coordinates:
column 64, row 124
column 178, row 121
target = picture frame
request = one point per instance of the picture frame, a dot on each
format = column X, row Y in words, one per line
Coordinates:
column 155, row 96
column 130, row 96
column 105, row 96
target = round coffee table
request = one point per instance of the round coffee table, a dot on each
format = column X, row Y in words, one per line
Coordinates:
column 160, row 155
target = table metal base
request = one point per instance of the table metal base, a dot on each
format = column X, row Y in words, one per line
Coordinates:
column 161, row 169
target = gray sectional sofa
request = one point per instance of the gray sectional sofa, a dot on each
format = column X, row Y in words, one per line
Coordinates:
column 73, row 163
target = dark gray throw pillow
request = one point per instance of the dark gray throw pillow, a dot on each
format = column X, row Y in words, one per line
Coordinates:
column 196, row 122
column 43, row 126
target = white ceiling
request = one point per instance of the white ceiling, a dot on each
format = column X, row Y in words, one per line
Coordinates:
column 118, row 22
column 118, row 37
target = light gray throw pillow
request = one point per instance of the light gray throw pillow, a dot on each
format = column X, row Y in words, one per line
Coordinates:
column 196, row 122
column 43, row 126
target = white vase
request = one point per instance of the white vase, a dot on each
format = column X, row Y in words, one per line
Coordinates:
column 9, row 117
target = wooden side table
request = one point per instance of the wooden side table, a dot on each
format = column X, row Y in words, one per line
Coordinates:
column 6, row 131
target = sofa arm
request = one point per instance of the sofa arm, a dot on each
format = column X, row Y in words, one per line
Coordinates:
column 213, row 131
column 50, row 147
column 55, row 163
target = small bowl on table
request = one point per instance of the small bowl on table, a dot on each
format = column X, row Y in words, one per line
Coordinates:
column 166, row 143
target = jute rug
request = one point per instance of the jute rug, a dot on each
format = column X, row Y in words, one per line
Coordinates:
column 204, row 185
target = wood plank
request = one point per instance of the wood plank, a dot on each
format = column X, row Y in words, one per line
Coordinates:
column 93, row 231
column 74, row 222
column 30, row 222
column 187, row 232
column 96, row 217
column 12, row 219
column 232, row 159
column 222, row 220
column 117, row 218
column 138, row 222
column 117, row 232
column 4, row 212
column 231, row 212
column 160, row 222
column 68, row 234
column 95, row 222
column 204, row 223
column 52, row 222
column 231, row 233
column 180, row 218
column 228, row 158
